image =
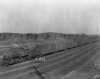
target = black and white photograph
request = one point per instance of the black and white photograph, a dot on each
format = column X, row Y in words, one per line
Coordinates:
column 49, row 39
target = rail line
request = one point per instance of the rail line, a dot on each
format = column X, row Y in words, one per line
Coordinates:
column 65, row 54
column 19, row 68
column 61, row 61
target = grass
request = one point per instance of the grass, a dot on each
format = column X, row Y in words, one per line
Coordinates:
column 48, row 44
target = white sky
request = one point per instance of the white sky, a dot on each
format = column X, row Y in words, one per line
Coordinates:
column 67, row 16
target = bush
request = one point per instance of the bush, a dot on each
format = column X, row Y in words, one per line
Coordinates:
column 6, row 60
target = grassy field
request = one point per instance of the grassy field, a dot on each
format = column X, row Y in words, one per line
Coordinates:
column 64, row 57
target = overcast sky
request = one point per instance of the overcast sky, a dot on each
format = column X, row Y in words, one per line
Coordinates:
column 66, row 16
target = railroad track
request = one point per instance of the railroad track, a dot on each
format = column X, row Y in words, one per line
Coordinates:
column 66, row 59
column 71, row 59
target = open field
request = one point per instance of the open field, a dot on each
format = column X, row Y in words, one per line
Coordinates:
column 59, row 60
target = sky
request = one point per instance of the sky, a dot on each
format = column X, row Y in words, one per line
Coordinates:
column 64, row 16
